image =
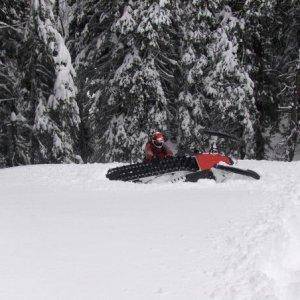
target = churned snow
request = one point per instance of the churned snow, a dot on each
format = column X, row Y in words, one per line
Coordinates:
column 69, row 233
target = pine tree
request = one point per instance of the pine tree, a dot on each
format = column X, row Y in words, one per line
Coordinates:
column 151, row 75
column 14, row 128
column 89, row 42
column 228, row 85
column 144, row 84
column 50, row 89
column 270, row 50
column 120, row 94
column 198, row 19
column 126, row 57
column 288, row 16
column 218, row 92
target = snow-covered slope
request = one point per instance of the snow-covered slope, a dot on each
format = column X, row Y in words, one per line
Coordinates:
column 69, row 233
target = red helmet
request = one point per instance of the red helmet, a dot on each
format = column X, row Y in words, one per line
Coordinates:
column 158, row 139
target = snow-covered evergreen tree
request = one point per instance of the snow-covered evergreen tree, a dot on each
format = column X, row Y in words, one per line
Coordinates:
column 197, row 21
column 126, row 61
column 288, row 17
column 90, row 43
column 144, row 86
column 14, row 128
column 50, row 89
column 228, row 85
column 270, row 51
column 218, row 91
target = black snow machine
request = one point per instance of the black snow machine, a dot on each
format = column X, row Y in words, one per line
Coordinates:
column 206, row 165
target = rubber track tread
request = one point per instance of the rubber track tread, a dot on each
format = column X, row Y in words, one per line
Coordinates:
column 146, row 169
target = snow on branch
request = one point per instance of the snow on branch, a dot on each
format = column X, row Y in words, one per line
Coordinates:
column 7, row 99
column 5, row 25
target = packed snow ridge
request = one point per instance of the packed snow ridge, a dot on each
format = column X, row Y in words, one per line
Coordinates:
column 69, row 233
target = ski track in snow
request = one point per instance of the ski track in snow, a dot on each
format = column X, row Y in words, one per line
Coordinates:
column 69, row 233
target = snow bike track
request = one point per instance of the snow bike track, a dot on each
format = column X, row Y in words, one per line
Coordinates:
column 69, row 233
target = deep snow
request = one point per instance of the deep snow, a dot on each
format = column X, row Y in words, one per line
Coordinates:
column 69, row 233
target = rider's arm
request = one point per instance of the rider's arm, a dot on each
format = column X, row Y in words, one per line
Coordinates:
column 168, row 151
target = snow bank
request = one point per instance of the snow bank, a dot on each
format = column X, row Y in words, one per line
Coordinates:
column 69, row 233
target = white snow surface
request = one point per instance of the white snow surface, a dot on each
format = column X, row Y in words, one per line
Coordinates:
column 69, row 233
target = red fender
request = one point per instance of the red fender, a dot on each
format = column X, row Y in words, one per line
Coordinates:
column 206, row 161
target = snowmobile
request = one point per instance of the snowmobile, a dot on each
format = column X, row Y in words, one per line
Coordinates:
column 207, row 165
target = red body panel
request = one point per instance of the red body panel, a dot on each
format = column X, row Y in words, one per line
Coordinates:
column 206, row 161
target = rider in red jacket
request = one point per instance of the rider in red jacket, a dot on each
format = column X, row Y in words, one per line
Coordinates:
column 156, row 148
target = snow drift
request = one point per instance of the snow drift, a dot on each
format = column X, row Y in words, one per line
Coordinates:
column 67, row 232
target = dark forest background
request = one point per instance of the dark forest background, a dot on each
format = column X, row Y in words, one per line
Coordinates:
column 86, row 81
